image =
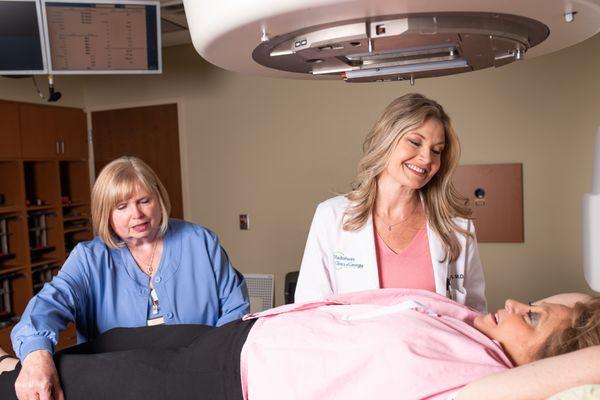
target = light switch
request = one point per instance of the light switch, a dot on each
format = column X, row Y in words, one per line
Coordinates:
column 244, row 222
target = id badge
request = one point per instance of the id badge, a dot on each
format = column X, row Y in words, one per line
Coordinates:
column 155, row 321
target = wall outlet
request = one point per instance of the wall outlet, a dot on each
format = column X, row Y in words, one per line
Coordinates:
column 244, row 222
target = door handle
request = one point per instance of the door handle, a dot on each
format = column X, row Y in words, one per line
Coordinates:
column 62, row 147
column 57, row 148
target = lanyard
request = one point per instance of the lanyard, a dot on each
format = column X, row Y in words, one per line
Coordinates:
column 154, row 297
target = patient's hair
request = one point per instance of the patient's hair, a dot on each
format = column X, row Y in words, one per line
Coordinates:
column 442, row 201
column 582, row 331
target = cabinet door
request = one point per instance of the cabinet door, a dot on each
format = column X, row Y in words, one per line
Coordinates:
column 72, row 133
column 10, row 138
column 38, row 127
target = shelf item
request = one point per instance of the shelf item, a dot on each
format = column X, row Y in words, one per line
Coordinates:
column 12, row 250
column 6, row 300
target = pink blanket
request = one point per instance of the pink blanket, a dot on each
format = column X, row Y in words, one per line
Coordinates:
column 382, row 344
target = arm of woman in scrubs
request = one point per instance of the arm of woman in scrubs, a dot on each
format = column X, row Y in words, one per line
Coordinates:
column 233, row 293
column 36, row 334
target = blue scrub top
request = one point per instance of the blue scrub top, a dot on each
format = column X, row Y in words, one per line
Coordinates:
column 100, row 288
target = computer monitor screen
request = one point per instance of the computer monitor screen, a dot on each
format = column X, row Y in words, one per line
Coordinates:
column 21, row 43
column 103, row 37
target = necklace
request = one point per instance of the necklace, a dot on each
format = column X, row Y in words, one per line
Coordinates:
column 139, row 260
column 390, row 226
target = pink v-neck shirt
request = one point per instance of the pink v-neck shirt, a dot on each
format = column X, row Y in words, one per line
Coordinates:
column 381, row 344
column 411, row 268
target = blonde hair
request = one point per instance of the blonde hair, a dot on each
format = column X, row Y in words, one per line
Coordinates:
column 442, row 202
column 582, row 331
column 118, row 181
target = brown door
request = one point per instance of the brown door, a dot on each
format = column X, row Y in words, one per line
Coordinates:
column 150, row 133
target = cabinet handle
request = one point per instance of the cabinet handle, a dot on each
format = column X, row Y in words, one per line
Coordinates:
column 57, row 148
column 62, row 147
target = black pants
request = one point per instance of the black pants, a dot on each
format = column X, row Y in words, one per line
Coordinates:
column 161, row 362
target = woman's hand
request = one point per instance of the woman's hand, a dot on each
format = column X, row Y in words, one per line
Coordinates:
column 38, row 378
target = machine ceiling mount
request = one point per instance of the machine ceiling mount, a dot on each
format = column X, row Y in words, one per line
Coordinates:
column 403, row 46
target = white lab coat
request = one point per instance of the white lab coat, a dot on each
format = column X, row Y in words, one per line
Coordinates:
column 338, row 261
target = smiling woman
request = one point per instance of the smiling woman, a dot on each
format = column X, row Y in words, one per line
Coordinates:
column 143, row 268
column 403, row 223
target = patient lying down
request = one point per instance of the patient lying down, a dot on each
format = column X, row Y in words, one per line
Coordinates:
column 391, row 343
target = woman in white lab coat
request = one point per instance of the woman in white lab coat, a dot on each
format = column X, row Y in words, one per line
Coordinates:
column 403, row 224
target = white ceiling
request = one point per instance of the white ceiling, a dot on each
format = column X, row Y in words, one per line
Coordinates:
column 174, row 26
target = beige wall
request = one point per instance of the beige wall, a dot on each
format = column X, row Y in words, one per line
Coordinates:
column 275, row 148
column 22, row 89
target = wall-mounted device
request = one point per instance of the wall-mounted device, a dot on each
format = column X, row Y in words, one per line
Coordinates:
column 102, row 36
column 495, row 192
column 382, row 40
column 591, row 225
column 21, row 38
column 244, row 222
column 39, row 37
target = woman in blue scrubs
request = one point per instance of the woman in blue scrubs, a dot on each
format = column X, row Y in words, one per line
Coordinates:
column 143, row 268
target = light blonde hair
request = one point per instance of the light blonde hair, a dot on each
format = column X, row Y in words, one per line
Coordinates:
column 442, row 202
column 118, row 181
column 583, row 330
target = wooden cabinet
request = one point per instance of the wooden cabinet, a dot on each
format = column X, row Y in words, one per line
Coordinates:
column 72, row 133
column 45, row 202
column 10, row 136
column 52, row 132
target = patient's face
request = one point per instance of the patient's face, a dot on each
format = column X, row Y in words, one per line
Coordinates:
column 521, row 329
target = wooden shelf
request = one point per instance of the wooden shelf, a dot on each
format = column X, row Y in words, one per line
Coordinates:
column 44, row 262
column 10, row 270
column 10, row 209
column 76, row 218
column 75, row 204
column 41, row 208
column 77, row 229
column 33, row 167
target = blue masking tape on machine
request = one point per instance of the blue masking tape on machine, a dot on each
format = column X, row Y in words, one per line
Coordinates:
column 591, row 225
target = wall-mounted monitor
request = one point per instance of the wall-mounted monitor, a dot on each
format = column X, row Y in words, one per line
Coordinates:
column 103, row 36
column 21, row 38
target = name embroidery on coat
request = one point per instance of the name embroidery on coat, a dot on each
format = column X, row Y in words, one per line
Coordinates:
column 342, row 261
